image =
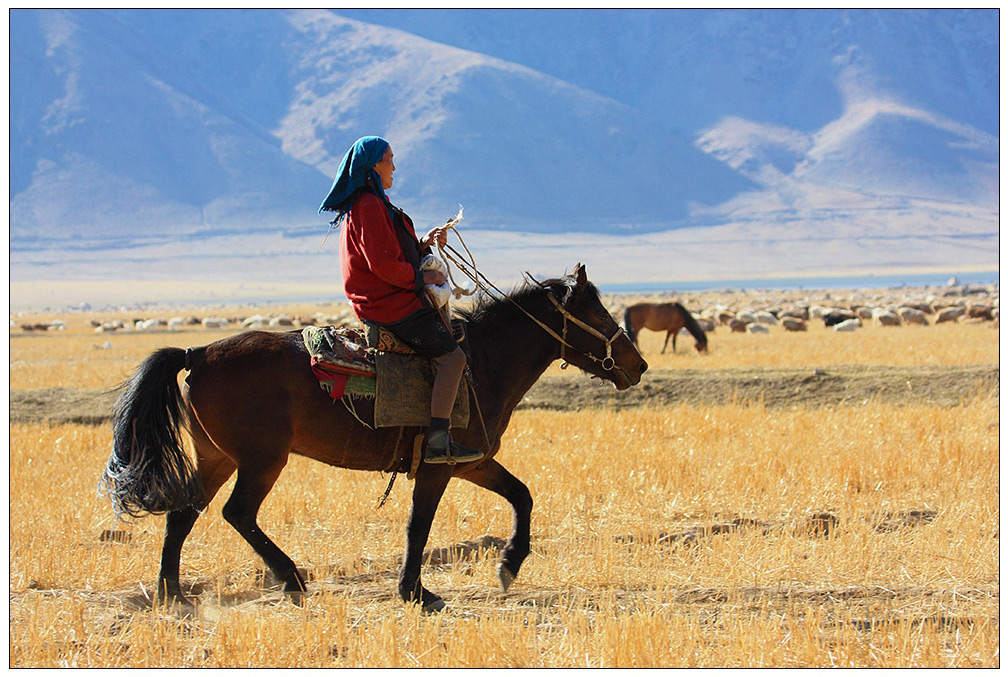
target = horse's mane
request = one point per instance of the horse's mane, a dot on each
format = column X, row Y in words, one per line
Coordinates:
column 501, row 313
column 692, row 326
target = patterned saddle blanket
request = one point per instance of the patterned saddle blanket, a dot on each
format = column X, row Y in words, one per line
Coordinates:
column 380, row 380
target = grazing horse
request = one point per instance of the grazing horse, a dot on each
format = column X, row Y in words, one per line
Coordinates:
column 252, row 400
column 670, row 317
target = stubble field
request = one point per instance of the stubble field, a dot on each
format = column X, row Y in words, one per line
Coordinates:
column 805, row 499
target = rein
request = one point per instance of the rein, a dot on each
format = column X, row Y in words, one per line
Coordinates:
column 450, row 255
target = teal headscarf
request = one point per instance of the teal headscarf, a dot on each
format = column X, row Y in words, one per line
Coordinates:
column 357, row 167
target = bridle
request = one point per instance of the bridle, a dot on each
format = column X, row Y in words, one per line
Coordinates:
column 450, row 255
column 607, row 363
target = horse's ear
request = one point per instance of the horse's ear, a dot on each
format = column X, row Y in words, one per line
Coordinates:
column 580, row 276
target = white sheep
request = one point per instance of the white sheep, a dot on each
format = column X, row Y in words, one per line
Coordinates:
column 885, row 318
column 912, row 315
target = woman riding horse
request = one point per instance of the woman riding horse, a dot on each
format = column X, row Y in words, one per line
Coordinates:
column 251, row 400
column 380, row 260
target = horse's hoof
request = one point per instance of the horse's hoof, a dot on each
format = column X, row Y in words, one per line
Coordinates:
column 177, row 605
column 506, row 577
column 296, row 593
column 434, row 606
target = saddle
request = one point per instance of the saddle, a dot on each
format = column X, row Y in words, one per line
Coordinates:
column 380, row 380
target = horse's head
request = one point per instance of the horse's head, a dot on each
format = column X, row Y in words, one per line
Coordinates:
column 590, row 338
column 701, row 346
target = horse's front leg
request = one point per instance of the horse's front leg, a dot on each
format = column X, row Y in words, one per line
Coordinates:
column 431, row 481
column 492, row 475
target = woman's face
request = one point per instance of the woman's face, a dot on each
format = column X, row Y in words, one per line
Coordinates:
column 385, row 167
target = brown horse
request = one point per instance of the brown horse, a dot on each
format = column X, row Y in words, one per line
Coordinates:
column 670, row 317
column 252, row 400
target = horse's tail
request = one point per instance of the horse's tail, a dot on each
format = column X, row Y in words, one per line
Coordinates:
column 631, row 330
column 693, row 327
column 148, row 470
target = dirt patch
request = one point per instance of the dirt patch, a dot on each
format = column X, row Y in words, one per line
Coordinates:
column 803, row 387
column 796, row 387
column 62, row 405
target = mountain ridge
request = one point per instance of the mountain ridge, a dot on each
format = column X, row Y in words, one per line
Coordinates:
column 129, row 127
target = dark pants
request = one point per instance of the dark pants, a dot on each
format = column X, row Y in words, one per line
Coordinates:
column 424, row 332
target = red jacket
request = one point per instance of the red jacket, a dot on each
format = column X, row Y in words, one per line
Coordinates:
column 380, row 279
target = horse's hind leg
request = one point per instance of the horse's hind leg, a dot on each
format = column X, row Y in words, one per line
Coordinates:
column 213, row 473
column 178, row 524
column 240, row 511
column 492, row 475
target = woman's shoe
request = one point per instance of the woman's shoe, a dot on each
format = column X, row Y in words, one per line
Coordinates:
column 451, row 453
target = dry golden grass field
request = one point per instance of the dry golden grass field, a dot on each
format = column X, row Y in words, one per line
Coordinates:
column 737, row 533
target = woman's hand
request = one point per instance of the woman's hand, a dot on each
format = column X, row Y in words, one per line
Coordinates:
column 437, row 235
column 434, row 277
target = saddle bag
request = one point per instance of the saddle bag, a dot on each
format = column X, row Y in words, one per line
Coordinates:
column 384, row 384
